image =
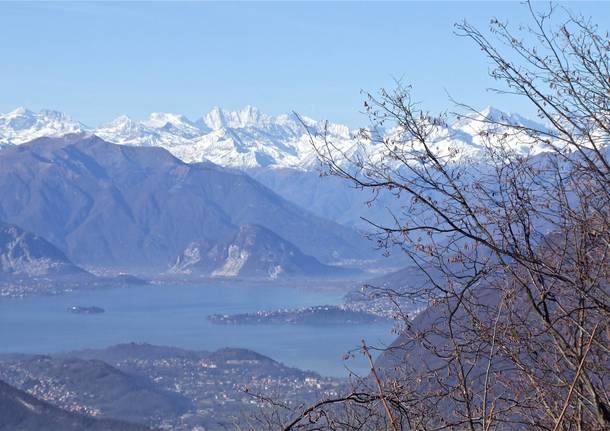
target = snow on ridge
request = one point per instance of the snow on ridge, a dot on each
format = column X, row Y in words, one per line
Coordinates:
column 22, row 125
column 245, row 138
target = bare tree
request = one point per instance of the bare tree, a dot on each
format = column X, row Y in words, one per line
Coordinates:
column 515, row 246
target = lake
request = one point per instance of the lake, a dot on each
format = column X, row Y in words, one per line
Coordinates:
column 175, row 315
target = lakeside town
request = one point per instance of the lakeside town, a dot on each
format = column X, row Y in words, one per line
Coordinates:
column 167, row 388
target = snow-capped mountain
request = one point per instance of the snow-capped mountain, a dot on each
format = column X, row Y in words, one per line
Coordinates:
column 237, row 139
column 250, row 139
column 158, row 130
column 276, row 150
column 247, row 138
column 23, row 125
column 478, row 128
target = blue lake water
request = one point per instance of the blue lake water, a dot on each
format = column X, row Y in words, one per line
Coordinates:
column 175, row 315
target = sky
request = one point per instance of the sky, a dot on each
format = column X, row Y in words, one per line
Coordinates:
column 96, row 61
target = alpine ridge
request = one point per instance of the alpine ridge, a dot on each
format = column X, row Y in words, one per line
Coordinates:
column 276, row 150
column 243, row 139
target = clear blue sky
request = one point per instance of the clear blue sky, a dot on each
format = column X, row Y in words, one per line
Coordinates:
column 98, row 60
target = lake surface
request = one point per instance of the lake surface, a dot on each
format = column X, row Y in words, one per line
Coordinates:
column 175, row 315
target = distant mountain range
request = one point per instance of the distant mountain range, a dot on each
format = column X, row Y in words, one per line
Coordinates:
column 243, row 139
column 277, row 151
column 134, row 208
column 23, row 125
column 240, row 139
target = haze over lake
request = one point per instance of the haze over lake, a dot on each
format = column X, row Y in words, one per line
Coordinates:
column 176, row 315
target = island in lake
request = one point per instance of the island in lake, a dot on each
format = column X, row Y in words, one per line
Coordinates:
column 317, row 315
column 85, row 310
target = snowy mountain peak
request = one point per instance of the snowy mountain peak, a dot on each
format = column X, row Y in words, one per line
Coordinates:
column 161, row 119
column 219, row 118
column 22, row 125
column 476, row 123
column 119, row 121
column 176, row 124
column 493, row 113
column 19, row 112
column 492, row 123
column 248, row 138
column 121, row 125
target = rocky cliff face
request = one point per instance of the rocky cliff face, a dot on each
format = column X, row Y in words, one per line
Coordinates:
column 253, row 252
column 25, row 254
